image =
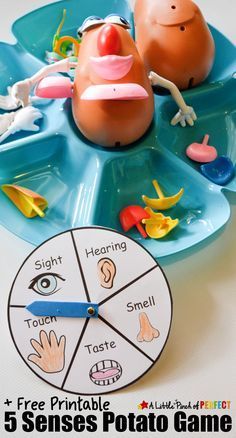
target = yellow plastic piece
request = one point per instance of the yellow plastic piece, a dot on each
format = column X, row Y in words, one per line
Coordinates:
column 163, row 203
column 29, row 203
column 61, row 24
column 158, row 225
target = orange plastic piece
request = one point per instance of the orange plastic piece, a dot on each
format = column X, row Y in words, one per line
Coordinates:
column 109, row 122
column 174, row 40
column 58, row 41
column 66, row 39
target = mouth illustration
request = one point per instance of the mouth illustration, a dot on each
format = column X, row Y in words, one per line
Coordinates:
column 111, row 67
column 105, row 372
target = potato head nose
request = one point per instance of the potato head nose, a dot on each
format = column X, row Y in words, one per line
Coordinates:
column 109, row 42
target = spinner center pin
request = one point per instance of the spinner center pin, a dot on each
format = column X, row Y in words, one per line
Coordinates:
column 90, row 311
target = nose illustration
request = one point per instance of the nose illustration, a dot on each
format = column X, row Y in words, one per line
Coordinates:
column 147, row 332
column 109, row 42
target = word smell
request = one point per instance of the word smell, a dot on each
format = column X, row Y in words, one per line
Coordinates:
column 150, row 302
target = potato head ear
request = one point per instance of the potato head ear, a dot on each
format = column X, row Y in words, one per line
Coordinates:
column 106, row 272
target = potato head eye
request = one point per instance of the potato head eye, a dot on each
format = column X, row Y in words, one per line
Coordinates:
column 89, row 23
column 117, row 19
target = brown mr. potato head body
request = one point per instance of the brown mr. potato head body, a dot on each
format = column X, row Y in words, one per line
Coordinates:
column 111, row 108
column 173, row 40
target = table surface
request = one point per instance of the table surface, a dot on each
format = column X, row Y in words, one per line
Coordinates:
column 199, row 360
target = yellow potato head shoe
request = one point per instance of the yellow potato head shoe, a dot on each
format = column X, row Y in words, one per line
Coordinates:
column 158, row 225
column 163, row 202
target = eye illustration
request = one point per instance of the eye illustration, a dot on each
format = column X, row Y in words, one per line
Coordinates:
column 117, row 19
column 46, row 284
column 89, row 23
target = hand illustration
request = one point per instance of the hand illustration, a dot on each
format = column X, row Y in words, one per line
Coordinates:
column 50, row 355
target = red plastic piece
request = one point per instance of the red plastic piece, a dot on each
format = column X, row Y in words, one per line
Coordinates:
column 109, row 42
column 132, row 216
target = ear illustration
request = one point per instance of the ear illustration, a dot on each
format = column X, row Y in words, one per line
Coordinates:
column 106, row 272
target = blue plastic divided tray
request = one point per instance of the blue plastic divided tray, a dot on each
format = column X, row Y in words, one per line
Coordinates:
column 86, row 184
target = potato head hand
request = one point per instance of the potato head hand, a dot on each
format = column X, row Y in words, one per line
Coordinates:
column 186, row 114
column 21, row 120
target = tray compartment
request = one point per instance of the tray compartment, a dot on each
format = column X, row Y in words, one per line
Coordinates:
column 53, row 169
column 215, row 107
column 201, row 211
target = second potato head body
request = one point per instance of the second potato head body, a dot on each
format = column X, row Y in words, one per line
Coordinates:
column 174, row 40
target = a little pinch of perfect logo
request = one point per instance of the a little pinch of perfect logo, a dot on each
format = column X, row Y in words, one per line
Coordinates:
column 177, row 404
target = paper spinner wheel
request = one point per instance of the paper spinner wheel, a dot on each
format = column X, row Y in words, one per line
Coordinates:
column 90, row 311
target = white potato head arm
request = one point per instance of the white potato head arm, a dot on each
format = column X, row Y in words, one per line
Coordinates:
column 186, row 113
column 21, row 90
